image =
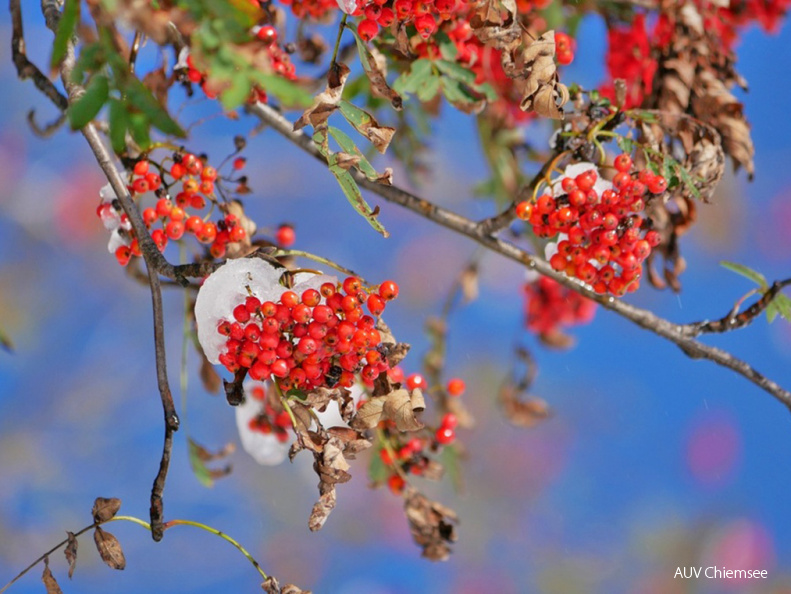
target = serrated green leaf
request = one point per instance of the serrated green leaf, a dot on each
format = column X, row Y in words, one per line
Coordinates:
column 87, row 107
column 411, row 81
column 202, row 473
column 367, row 125
column 429, row 90
column 68, row 22
column 625, row 144
column 119, row 123
column 456, row 71
column 749, row 273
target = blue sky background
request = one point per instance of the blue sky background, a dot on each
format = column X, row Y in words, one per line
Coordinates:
column 601, row 498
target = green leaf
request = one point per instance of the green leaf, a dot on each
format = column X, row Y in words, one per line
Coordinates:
column 119, row 123
column 288, row 93
column 140, row 97
column 347, row 145
column 688, row 181
column 202, row 473
column 780, row 305
column 236, row 92
column 348, row 185
column 139, row 128
column 377, row 470
column 87, row 107
column 68, row 22
column 749, row 273
column 447, row 48
column 429, row 90
column 354, row 196
column 459, row 94
column 456, row 71
column 410, row 82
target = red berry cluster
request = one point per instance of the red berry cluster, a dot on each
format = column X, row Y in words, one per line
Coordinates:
column 564, row 48
column 197, row 185
column 550, row 305
column 425, row 15
column 321, row 338
column 607, row 238
column 270, row 421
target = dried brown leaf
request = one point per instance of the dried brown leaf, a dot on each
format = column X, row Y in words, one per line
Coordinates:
column 71, row 552
column 212, row 382
column 369, row 414
column 522, row 413
column 542, row 91
column 322, row 509
column 431, row 524
column 400, row 407
column 272, row 586
column 109, row 549
column 50, row 583
column 104, row 509
column 325, row 102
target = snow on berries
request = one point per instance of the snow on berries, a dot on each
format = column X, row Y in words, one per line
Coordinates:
column 312, row 335
column 602, row 234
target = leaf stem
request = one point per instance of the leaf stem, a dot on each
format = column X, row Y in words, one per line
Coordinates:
column 338, row 41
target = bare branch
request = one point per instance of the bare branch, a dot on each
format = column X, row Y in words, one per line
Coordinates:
column 681, row 335
column 734, row 320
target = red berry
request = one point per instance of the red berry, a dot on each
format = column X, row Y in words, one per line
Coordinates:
column 237, row 234
column 367, row 29
column 623, row 162
column 524, row 210
column 388, row 290
column 376, row 305
column 175, row 230
column 456, row 386
column 285, row 235
column 177, row 170
column 396, row 483
column 267, row 34
column 141, row 167
column 123, row 254
column 416, row 381
column 445, row 435
column 241, row 314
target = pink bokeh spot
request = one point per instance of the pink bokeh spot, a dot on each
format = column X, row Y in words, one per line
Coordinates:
column 739, row 544
column 714, row 449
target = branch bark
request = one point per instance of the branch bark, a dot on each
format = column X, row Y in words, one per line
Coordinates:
column 679, row 334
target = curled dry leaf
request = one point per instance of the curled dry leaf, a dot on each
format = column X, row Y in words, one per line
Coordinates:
column 332, row 468
column 526, row 412
column 369, row 414
column 543, row 93
column 671, row 220
column 431, row 524
column 212, row 382
column 325, row 102
column 272, row 586
column 105, row 509
column 71, row 553
column 109, row 549
column 401, row 406
column 50, row 583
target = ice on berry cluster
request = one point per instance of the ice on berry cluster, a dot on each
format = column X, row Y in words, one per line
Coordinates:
column 572, row 171
column 230, row 285
column 112, row 220
column 270, row 447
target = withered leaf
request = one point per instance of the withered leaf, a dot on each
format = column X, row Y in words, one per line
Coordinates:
column 104, row 508
column 400, row 407
column 325, row 102
column 322, row 509
column 272, row 586
column 431, row 524
column 212, row 382
column 346, row 161
column 522, row 413
column 50, row 583
column 109, row 549
column 71, row 553
column 543, row 93
column 369, row 414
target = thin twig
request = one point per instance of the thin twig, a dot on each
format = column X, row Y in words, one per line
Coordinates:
column 152, row 258
column 25, row 68
column 681, row 335
column 734, row 320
